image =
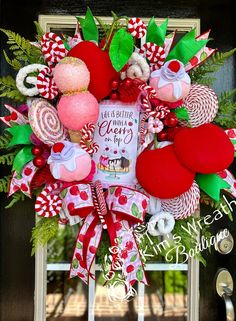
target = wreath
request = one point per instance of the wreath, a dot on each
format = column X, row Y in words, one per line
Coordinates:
column 117, row 131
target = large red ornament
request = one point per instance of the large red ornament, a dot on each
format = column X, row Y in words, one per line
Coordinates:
column 205, row 149
column 99, row 65
column 161, row 174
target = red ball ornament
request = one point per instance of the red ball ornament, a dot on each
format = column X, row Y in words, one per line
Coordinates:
column 205, row 149
column 39, row 161
column 115, row 84
column 127, row 82
column 37, row 151
column 161, row 174
column 171, row 120
column 114, row 95
column 162, row 136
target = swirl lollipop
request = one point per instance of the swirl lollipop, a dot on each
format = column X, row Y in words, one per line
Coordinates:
column 45, row 123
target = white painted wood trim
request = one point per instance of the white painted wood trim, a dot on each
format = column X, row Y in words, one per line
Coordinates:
column 141, row 293
column 48, row 22
column 193, row 291
column 40, row 291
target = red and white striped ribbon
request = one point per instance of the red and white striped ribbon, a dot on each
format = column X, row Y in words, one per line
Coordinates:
column 137, row 28
column 99, row 202
column 87, row 136
column 46, row 85
column 154, row 53
column 48, row 204
column 52, row 48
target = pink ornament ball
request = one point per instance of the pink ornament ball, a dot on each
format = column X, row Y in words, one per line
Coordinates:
column 71, row 75
column 76, row 110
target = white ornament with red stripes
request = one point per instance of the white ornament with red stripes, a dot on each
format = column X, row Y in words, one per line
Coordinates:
column 52, row 48
column 154, row 53
column 184, row 205
column 137, row 28
column 202, row 105
column 49, row 204
column 46, row 85
column 22, row 79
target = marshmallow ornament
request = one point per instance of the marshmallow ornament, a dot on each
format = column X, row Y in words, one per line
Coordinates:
column 161, row 224
column 68, row 162
column 171, row 81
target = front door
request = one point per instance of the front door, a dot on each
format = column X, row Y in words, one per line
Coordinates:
column 173, row 294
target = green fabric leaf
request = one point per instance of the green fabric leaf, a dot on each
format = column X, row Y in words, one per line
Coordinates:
column 211, row 184
column 187, row 47
column 121, row 49
column 22, row 157
column 89, row 27
column 133, row 258
column 20, row 135
column 156, row 33
column 78, row 245
column 182, row 113
column 134, row 209
column 139, row 275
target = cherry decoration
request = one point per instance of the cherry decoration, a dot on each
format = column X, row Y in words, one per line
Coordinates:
column 39, row 161
column 37, row 150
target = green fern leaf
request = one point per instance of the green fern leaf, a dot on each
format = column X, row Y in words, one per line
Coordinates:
column 14, row 62
column 8, row 159
column 4, row 140
column 45, row 230
column 213, row 64
column 9, row 90
column 22, row 48
column 4, row 183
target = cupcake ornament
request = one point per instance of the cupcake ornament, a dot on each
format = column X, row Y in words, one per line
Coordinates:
column 68, row 162
column 77, row 106
column 171, row 82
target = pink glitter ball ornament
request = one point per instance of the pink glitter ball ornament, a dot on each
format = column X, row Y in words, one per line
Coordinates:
column 71, row 75
column 77, row 110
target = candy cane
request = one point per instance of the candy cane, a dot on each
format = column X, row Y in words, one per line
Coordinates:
column 99, row 201
column 87, row 136
column 137, row 28
column 46, row 85
column 142, row 129
column 155, row 54
column 52, row 47
column 160, row 111
column 48, row 204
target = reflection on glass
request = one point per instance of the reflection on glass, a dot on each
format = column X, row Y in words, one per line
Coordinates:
column 165, row 299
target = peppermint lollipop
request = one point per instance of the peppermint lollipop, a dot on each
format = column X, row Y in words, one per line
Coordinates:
column 48, row 204
column 154, row 53
column 45, row 123
column 202, row 105
column 52, row 47
column 137, row 28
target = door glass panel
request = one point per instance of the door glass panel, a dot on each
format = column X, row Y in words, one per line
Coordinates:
column 71, row 299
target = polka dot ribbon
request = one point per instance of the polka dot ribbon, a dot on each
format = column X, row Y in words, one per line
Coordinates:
column 53, row 48
column 48, row 204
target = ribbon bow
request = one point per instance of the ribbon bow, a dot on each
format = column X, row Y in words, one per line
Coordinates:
column 115, row 211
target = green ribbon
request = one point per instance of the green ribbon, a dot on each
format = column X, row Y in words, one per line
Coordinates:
column 211, row 184
column 187, row 47
column 22, row 157
column 20, row 135
column 156, row 33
